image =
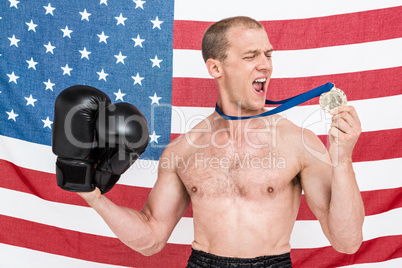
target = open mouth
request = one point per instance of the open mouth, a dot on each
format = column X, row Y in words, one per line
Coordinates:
column 258, row 85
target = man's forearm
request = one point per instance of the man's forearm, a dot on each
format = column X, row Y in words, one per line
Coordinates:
column 346, row 210
column 130, row 226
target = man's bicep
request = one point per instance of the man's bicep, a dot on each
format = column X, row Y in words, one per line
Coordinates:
column 316, row 175
column 167, row 201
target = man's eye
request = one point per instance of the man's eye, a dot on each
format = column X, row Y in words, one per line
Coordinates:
column 249, row 57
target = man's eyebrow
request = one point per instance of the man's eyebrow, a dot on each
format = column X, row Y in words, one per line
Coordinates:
column 255, row 51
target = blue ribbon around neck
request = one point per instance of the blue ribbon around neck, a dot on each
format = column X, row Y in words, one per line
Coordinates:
column 286, row 103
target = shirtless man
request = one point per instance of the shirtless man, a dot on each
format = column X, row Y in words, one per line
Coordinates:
column 245, row 177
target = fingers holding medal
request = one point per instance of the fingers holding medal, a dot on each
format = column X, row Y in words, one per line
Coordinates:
column 345, row 128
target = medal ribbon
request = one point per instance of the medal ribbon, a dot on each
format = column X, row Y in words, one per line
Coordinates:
column 286, row 103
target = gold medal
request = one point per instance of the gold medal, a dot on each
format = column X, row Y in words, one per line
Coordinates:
column 332, row 99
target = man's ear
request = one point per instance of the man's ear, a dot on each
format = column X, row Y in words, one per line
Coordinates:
column 214, row 68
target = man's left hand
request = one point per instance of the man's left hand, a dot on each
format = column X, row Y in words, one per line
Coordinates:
column 343, row 134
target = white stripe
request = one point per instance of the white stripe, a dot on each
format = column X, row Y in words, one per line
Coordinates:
column 183, row 233
column 394, row 263
column 40, row 157
column 189, row 63
column 308, row 62
column 313, row 118
column 32, row 208
column 306, row 234
column 17, row 257
column 377, row 175
column 143, row 173
column 374, row 114
column 212, row 10
column 27, row 154
column 338, row 59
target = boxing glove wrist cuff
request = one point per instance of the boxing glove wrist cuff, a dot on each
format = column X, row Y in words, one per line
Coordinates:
column 74, row 175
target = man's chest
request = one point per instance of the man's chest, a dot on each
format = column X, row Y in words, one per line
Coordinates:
column 243, row 172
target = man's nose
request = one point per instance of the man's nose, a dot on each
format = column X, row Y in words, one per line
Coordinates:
column 264, row 63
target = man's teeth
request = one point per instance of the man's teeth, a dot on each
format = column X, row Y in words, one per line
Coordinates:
column 261, row 80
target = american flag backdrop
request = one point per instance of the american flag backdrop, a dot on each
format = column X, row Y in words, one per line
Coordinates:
column 148, row 53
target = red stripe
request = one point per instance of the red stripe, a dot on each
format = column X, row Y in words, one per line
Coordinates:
column 334, row 30
column 371, row 147
column 111, row 251
column 375, row 202
column 43, row 185
column 375, row 250
column 95, row 248
column 198, row 92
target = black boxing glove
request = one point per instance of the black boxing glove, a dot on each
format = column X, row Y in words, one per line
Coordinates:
column 122, row 134
column 75, row 113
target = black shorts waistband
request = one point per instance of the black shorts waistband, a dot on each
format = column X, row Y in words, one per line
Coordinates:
column 201, row 259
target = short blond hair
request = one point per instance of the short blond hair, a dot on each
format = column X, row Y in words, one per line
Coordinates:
column 215, row 42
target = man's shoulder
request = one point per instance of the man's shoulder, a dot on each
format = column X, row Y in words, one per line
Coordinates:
column 290, row 132
column 185, row 141
column 285, row 126
column 200, row 133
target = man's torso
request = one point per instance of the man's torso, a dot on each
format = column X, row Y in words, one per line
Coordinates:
column 244, row 186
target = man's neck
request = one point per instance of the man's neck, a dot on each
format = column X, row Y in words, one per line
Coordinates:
column 235, row 109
